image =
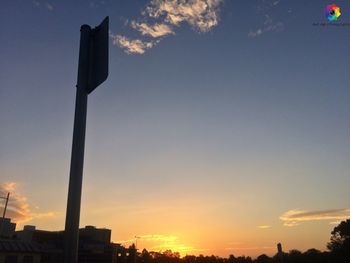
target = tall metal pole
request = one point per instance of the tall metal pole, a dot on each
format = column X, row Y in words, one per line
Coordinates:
column 77, row 158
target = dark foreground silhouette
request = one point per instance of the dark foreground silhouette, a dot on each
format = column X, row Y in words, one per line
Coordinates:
column 339, row 252
column 32, row 245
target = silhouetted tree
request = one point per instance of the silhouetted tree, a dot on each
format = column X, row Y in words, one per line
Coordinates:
column 145, row 257
column 263, row 259
column 189, row 259
column 340, row 239
column 340, row 242
column 244, row 259
column 231, row 259
column 314, row 255
column 295, row 256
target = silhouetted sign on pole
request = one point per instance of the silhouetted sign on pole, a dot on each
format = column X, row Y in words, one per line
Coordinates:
column 98, row 55
column 92, row 71
column 93, row 57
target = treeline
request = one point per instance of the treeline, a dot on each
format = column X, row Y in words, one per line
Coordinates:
column 294, row 256
column 339, row 252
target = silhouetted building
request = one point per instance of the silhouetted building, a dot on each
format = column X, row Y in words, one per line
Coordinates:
column 93, row 234
column 94, row 245
column 7, row 228
column 19, row 252
column 32, row 245
column 49, row 239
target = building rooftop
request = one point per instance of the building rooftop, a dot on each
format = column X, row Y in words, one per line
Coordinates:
column 7, row 245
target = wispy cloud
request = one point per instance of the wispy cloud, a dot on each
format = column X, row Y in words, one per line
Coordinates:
column 18, row 206
column 44, row 4
column 160, row 18
column 49, row 6
column 156, row 30
column 268, row 26
column 335, row 222
column 250, row 248
column 163, row 238
column 136, row 46
column 156, row 237
column 295, row 217
column 265, row 7
column 96, row 3
column 244, row 246
column 264, row 226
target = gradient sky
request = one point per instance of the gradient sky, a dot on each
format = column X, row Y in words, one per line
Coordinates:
column 220, row 139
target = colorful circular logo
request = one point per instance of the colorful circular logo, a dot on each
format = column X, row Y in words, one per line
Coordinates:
column 332, row 12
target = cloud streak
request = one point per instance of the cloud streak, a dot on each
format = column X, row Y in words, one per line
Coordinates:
column 136, row 46
column 268, row 26
column 266, row 7
column 47, row 5
column 264, row 227
column 160, row 18
column 155, row 31
column 18, row 207
column 295, row 217
column 249, row 248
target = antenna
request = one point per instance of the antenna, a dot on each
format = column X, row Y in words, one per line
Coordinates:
column 6, row 203
column 4, row 213
column 135, row 257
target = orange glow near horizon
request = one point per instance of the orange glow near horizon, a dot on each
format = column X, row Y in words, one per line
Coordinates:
column 189, row 225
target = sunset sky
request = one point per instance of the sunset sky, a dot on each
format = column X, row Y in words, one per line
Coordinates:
column 223, row 127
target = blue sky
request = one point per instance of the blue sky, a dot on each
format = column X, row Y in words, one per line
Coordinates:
column 240, row 123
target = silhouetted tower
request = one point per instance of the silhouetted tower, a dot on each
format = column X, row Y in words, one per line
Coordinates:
column 280, row 252
column 92, row 71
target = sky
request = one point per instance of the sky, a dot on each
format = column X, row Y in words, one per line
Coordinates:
column 223, row 127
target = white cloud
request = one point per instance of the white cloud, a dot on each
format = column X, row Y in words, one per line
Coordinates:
column 202, row 15
column 135, row 46
column 157, row 30
column 18, row 207
column 295, row 217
